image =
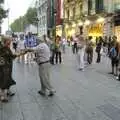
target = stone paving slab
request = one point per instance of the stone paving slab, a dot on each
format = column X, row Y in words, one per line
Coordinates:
column 89, row 95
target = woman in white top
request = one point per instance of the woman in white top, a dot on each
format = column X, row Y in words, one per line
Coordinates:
column 64, row 42
column 81, row 53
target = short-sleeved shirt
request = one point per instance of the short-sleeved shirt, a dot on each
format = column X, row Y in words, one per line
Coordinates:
column 42, row 53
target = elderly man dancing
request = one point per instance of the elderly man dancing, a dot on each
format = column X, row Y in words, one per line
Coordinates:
column 43, row 60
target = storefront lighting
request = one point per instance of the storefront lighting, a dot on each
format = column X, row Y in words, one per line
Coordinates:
column 73, row 25
column 80, row 23
column 66, row 26
column 87, row 22
column 100, row 20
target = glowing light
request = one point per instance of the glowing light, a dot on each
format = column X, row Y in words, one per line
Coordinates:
column 66, row 26
column 80, row 23
column 100, row 20
column 87, row 22
column 73, row 25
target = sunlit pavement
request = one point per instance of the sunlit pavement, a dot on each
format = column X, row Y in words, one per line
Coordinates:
column 88, row 95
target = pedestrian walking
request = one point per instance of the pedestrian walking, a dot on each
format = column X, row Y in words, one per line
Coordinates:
column 81, row 53
column 20, row 49
column 15, row 44
column 64, row 43
column 114, row 56
column 75, row 47
column 98, row 51
column 89, row 50
column 43, row 61
column 58, row 50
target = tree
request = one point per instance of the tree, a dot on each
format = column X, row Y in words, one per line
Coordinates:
column 18, row 25
column 29, row 18
column 3, row 13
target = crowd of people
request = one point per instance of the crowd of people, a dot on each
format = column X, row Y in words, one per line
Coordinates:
column 45, row 50
column 107, row 47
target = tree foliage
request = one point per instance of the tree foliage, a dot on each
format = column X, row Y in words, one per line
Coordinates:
column 29, row 18
column 3, row 13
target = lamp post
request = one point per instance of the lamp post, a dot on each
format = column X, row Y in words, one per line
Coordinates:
column 8, row 15
column 55, row 13
column 37, row 26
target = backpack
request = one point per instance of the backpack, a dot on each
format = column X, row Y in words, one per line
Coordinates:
column 113, row 53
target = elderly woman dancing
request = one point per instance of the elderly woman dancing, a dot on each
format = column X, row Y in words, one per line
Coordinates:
column 6, row 59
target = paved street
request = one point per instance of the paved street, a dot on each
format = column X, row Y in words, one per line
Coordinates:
column 89, row 95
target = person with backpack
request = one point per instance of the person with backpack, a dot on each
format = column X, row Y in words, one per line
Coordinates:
column 114, row 53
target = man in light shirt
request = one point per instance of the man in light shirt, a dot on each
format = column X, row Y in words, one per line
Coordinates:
column 43, row 58
column 20, row 48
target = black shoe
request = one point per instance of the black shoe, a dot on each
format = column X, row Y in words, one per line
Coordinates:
column 41, row 93
column 115, row 75
column 11, row 94
column 51, row 94
column 111, row 73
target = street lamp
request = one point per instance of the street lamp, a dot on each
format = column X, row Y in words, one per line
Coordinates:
column 37, row 20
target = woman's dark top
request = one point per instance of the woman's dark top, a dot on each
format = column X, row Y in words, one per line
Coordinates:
column 6, row 70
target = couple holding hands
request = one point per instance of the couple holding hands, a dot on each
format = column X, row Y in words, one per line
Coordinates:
column 6, row 62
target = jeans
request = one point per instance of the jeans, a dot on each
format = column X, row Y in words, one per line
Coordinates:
column 98, row 57
column 58, row 57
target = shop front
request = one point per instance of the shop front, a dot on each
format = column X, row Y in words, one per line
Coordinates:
column 95, row 30
column 59, row 30
column 117, row 25
column 70, row 30
column 94, row 27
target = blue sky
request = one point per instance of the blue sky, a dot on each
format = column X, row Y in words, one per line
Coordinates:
column 17, row 8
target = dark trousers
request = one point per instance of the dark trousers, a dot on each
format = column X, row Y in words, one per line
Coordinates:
column 58, row 57
column 74, row 48
column 98, row 57
column 89, row 57
column 52, row 57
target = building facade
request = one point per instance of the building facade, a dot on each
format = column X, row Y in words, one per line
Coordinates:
column 72, row 16
column 42, row 17
column 59, row 17
column 91, row 17
column 117, row 19
column 51, row 18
